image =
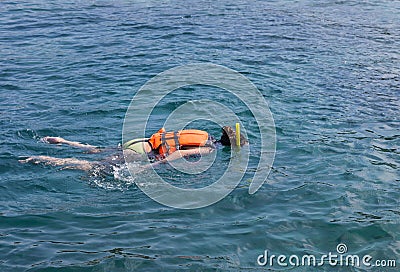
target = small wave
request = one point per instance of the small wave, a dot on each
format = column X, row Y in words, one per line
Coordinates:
column 115, row 177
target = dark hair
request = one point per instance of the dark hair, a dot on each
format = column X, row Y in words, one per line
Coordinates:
column 228, row 137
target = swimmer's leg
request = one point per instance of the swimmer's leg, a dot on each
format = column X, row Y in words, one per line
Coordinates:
column 70, row 163
column 59, row 140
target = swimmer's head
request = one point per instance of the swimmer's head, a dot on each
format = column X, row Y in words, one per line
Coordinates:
column 228, row 137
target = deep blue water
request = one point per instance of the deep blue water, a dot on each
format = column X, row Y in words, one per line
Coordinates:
column 330, row 71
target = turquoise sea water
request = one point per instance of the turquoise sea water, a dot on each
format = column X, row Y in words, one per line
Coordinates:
column 330, row 71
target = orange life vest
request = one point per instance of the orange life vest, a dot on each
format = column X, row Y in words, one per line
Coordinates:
column 165, row 143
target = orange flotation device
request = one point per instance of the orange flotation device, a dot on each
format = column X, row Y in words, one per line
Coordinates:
column 165, row 143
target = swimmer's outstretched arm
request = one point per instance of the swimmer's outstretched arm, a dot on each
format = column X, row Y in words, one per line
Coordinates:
column 188, row 152
column 59, row 140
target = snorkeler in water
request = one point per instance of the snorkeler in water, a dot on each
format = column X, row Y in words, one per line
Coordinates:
column 162, row 146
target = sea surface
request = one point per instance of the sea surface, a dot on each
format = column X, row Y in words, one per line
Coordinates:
column 330, row 71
